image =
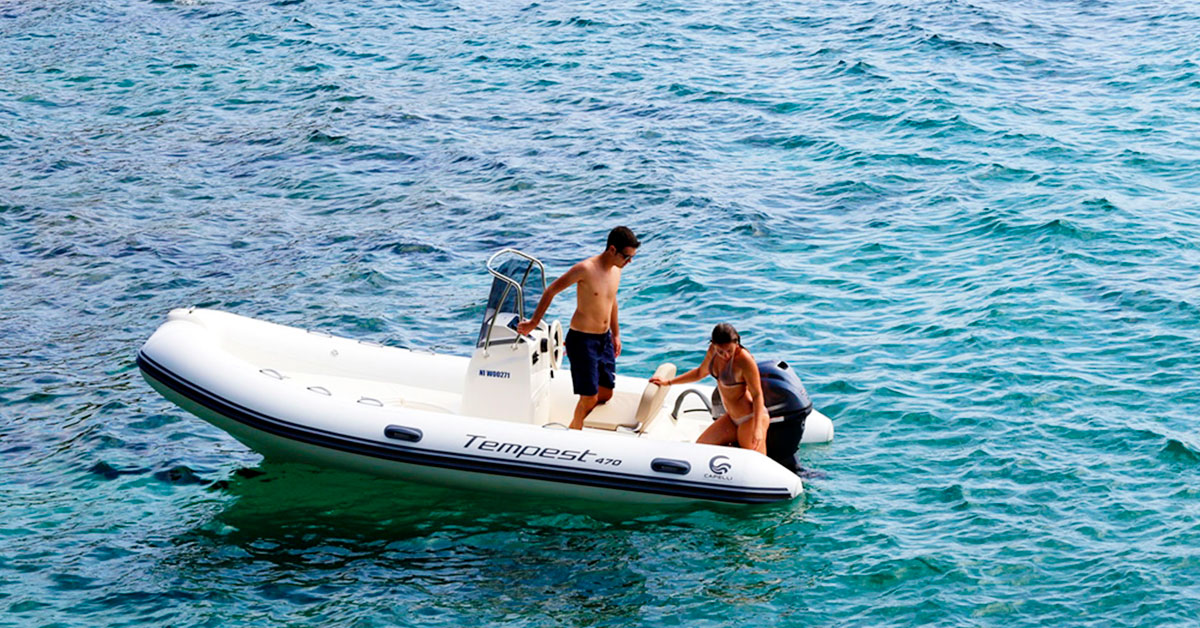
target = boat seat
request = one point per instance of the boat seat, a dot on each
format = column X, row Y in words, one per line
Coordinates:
column 620, row 411
column 653, row 397
column 616, row 412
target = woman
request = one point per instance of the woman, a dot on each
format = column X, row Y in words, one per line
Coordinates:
column 745, row 420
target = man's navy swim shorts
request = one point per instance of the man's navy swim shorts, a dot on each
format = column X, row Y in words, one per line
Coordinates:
column 593, row 364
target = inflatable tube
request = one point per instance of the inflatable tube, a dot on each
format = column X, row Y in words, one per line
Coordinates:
column 291, row 394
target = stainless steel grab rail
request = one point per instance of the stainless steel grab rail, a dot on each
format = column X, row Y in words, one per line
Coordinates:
column 511, row 283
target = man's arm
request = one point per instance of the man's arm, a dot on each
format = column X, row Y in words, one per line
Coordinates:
column 616, row 330
column 568, row 279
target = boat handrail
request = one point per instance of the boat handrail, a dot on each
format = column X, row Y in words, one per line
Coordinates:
column 683, row 395
column 511, row 283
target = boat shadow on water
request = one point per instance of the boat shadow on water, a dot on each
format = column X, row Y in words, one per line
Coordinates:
column 275, row 495
column 318, row 530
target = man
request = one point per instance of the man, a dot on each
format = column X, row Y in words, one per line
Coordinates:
column 594, row 339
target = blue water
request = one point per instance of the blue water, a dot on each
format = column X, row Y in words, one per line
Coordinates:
column 973, row 227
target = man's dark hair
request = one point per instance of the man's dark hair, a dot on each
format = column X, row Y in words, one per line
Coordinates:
column 622, row 237
column 725, row 333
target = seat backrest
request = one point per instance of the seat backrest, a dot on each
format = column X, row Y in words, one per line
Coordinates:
column 653, row 397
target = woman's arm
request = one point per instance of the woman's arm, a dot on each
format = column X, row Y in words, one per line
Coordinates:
column 754, row 387
column 693, row 375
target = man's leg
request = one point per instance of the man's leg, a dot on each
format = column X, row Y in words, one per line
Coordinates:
column 585, row 405
column 583, row 374
column 606, row 367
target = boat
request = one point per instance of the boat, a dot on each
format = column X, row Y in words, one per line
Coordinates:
column 494, row 421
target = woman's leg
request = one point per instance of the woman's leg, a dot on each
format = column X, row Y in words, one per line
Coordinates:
column 753, row 435
column 721, row 432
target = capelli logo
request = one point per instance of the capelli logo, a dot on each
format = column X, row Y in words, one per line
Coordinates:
column 719, row 465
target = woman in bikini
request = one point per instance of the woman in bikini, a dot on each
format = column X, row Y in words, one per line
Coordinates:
column 745, row 420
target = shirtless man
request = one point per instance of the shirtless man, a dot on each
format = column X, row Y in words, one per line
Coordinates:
column 594, row 340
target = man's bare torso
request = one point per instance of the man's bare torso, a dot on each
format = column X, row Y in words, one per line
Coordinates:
column 594, row 296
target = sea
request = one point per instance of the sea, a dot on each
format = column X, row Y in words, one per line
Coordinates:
column 971, row 226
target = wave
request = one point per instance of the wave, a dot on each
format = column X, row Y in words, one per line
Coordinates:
column 321, row 137
column 858, row 69
column 1178, row 451
column 681, row 286
column 577, row 22
column 897, row 571
column 938, row 41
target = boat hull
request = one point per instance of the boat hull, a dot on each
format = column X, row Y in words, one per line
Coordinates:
column 273, row 417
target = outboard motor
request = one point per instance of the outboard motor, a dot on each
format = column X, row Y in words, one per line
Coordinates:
column 788, row 405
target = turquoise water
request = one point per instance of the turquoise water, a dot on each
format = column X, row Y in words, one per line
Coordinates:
column 972, row 226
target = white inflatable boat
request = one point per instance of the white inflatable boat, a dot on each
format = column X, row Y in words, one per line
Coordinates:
column 493, row 422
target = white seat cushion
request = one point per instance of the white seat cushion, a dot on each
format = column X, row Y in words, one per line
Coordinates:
column 653, row 397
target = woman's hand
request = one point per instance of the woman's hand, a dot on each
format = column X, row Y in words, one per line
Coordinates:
column 658, row 381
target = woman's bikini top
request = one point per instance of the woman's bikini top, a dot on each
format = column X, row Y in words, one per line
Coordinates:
column 725, row 377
